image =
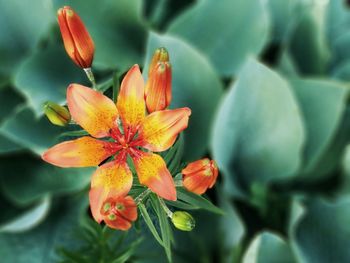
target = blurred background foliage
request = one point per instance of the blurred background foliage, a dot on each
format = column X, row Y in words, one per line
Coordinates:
column 268, row 85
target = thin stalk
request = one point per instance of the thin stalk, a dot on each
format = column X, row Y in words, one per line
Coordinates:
column 164, row 206
column 91, row 77
column 142, row 196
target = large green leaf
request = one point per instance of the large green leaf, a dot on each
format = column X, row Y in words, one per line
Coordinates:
column 323, row 104
column 29, row 219
column 195, row 85
column 9, row 101
column 226, row 31
column 45, row 76
column 25, row 178
column 321, row 233
column 308, row 45
column 258, row 133
column 39, row 244
column 268, row 248
column 24, row 129
column 21, row 29
column 116, row 28
column 8, row 146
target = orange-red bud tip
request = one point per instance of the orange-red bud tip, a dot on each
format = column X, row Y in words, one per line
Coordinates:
column 77, row 40
column 200, row 175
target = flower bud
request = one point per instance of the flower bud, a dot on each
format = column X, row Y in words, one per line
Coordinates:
column 57, row 114
column 160, row 55
column 120, row 212
column 183, row 221
column 158, row 88
column 77, row 40
column 200, row 175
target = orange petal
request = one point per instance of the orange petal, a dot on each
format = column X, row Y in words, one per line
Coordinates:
column 200, row 175
column 77, row 40
column 159, row 130
column 152, row 172
column 131, row 104
column 82, row 152
column 113, row 179
column 92, row 110
column 158, row 88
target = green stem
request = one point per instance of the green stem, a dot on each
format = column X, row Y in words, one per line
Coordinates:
column 91, row 77
column 142, row 196
column 164, row 206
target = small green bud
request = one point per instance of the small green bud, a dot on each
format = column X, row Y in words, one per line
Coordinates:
column 57, row 114
column 183, row 221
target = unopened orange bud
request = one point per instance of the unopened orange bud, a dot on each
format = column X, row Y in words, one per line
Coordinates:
column 160, row 55
column 158, row 88
column 77, row 40
column 200, row 175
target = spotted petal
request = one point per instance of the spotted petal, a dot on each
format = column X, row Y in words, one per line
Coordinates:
column 92, row 110
column 113, row 179
column 131, row 104
column 159, row 130
column 152, row 172
column 82, row 152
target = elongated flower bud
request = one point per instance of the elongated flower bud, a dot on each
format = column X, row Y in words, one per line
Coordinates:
column 77, row 40
column 158, row 88
column 160, row 55
column 183, row 221
column 57, row 114
column 200, row 175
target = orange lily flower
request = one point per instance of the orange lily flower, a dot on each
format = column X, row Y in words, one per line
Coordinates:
column 158, row 87
column 76, row 39
column 130, row 133
column 119, row 213
column 200, row 175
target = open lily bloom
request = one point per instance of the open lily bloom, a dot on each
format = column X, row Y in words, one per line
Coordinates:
column 129, row 132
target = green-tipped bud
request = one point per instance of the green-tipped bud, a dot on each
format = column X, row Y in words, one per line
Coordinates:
column 160, row 55
column 57, row 114
column 183, row 221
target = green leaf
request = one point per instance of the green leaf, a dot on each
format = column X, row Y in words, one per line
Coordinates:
column 230, row 230
column 174, row 155
column 197, row 201
column 283, row 17
column 38, row 245
column 45, row 76
column 116, row 28
column 321, row 233
column 194, row 85
column 29, row 219
column 9, row 101
column 25, row 178
column 164, row 225
column 258, row 134
column 268, row 248
column 307, row 44
column 21, row 30
column 24, row 129
column 8, row 146
column 150, row 224
column 225, row 31
column 314, row 96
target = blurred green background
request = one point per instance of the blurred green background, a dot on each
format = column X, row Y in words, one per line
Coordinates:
column 268, row 85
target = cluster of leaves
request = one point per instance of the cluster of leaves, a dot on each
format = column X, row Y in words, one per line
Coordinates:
column 279, row 131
